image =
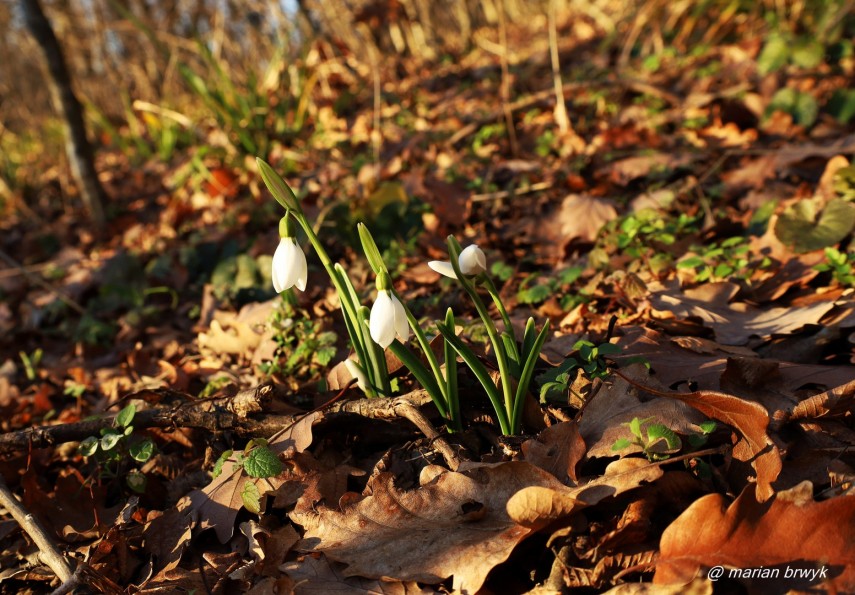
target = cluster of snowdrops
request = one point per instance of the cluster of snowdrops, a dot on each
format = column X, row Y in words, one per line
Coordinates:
column 388, row 323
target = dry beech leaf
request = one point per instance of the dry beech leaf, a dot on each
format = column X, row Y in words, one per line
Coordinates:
column 557, row 449
column 315, row 575
column 752, row 421
column 791, row 531
column 836, row 400
column 735, row 323
column 456, row 525
column 581, row 217
column 539, row 506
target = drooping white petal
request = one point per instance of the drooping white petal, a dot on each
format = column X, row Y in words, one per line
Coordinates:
column 382, row 319
column 289, row 266
column 443, row 268
column 472, row 260
column 402, row 327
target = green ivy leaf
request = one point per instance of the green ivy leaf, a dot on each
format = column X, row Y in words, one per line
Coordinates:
column 622, row 443
column 218, row 466
column 535, row 294
column 808, row 53
column 126, row 416
column 88, row 446
column 775, row 54
column 251, row 497
column 803, row 228
column 109, row 441
column 262, row 462
column 142, row 451
column 136, row 481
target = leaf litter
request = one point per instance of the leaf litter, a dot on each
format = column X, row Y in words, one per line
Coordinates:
column 345, row 495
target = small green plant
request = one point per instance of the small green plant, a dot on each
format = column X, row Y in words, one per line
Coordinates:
column 840, row 265
column 718, row 261
column 657, row 441
column 590, row 358
column 258, row 462
column 31, row 363
column 536, row 289
column 640, row 237
column 305, row 349
column 116, row 445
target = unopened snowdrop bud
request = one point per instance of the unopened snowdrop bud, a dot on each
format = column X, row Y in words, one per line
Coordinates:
column 289, row 262
column 388, row 319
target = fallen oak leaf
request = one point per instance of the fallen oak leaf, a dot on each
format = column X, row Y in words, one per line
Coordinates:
column 454, row 525
column 317, row 575
column 749, row 418
column 789, row 532
column 538, row 506
column 838, row 399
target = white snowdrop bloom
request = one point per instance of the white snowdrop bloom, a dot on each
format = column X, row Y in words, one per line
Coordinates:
column 388, row 319
column 289, row 266
column 472, row 261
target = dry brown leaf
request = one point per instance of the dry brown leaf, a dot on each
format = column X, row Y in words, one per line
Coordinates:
column 166, row 535
column 316, row 575
column 539, row 506
column 557, row 449
column 457, row 524
column 581, row 217
column 735, row 323
column 700, row 586
column 836, row 400
column 624, row 171
column 789, row 532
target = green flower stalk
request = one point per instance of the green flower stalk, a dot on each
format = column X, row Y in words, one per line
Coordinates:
column 516, row 366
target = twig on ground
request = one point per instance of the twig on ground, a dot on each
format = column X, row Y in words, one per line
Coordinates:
column 48, row 553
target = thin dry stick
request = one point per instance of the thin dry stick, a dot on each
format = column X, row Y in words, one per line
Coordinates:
column 560, row 111
column 48, row 553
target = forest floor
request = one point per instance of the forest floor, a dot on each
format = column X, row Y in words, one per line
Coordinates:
column 696, row 218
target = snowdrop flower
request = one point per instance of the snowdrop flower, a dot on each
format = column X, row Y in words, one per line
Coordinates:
column 388, row 318
column 472, row 261
column 289, row 262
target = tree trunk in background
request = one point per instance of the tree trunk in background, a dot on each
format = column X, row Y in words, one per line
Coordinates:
column 77, row 147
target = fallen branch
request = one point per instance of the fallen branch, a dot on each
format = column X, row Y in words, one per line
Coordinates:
column 48, row 553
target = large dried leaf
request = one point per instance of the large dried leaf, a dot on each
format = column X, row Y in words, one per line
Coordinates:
column 456, row 524
column 792, row 531
column 316, row 575
column 581, row 216
column 735, row 323
column 539, row 506
column 840, row 399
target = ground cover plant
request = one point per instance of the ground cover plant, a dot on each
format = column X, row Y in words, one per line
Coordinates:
column 431, row 297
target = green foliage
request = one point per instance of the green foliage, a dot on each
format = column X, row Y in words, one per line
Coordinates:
column 805, row 227
column 116, row 449
column 536, row 289
column 590, row 358
column 800, row 105
column 840, row 265
column 304, row 348
column 31, row 362
column 718, row 261
column 641, row 236
column 258, row 462
column 657, row 441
